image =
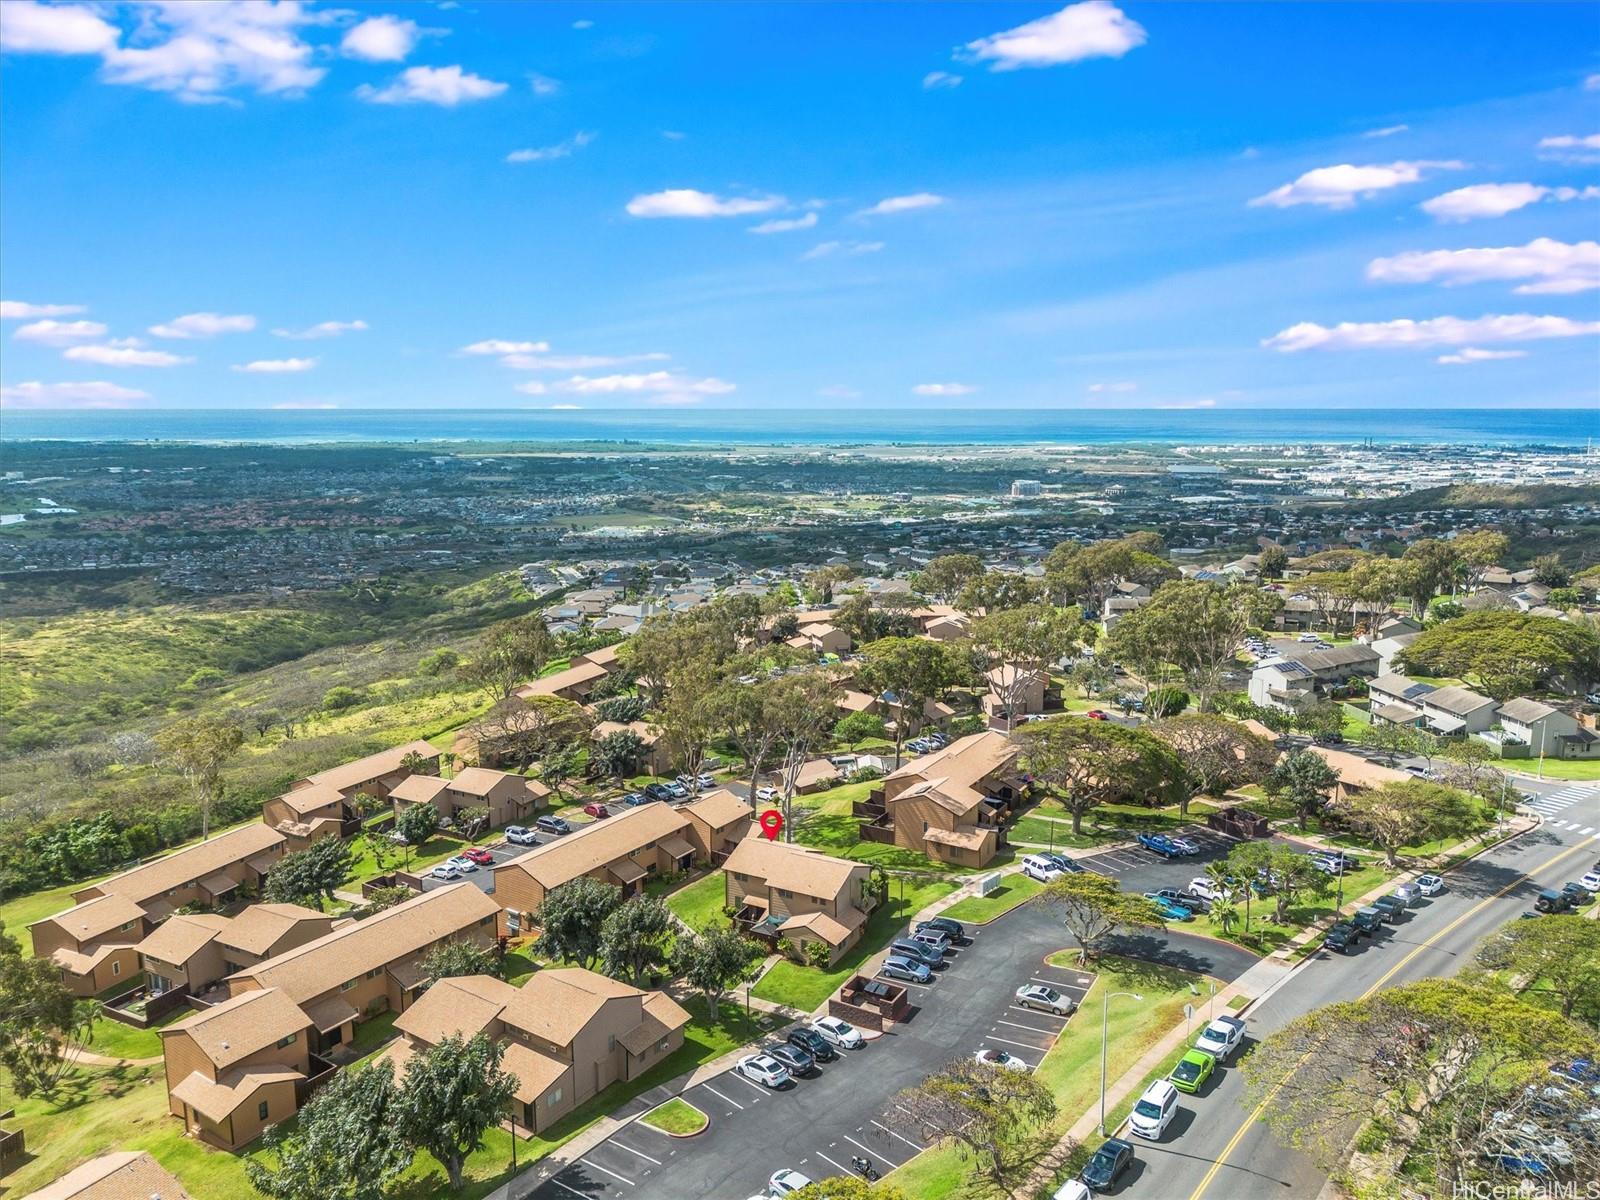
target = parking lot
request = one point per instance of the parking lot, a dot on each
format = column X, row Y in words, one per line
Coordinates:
column 503, row 852
column 847, row 1108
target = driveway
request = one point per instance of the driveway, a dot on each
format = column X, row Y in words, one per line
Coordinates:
column 816, row 1125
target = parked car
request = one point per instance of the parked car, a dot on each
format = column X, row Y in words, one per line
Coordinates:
column 949, row 925
column 763, row 1069
column 935, row 938
column 1185, row 845
column 1408, row 893
column 1367, row 920
column 1342, row 937
column 1189, row 900
column 1551, row 901
column 1154, row 1110
column 1159, row 843
column 838, row 1033
column 658, row 791
column 1221, row 1038
column 792, row 1058
column 1094, row 714
column 676, row 791
column 922, row 952
column 785, row 1181
column 999, row 1058
column 813, row 1043
column 1036, row 995
column 1205, row 887
column 480, row 856
column 462, row 863
column 1430, row 885
column 520, row 835
column 1392, row 908
column 1037, row 866
column 1169, row 911
column 635, row 799
column 899, row 967
column 596, row 810
column 1192, row 1071
column 1591, row 881
column 444, row 870
column 706, row 780
column 1107, row 1164
column 1068, row 866
column 551, row 824
column 767, row 794
column 1580, row 894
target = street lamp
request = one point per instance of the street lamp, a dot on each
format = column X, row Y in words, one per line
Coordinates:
column 1105, row 1025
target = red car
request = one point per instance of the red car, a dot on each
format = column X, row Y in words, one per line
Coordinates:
column 1094, row 714
column 597, row 810
column 480, row 856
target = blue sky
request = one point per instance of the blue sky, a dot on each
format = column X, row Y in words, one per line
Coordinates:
column 888, row 206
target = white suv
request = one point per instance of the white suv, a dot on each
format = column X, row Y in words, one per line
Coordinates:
column 1153, row 1113
column 1037, row 866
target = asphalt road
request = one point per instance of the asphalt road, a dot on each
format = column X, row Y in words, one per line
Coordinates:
column 815, row 1125
column 1218, row 1150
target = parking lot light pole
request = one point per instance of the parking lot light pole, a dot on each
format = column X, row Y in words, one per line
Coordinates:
column 1105, row 1026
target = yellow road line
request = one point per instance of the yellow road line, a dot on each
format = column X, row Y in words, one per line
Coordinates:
column 1255, row 1115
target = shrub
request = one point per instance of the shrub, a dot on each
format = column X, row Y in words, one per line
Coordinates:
column 337, row 699
column 858, row 727
column 437, row 662
column 865, row 774
column 817, row 954
column 1168, row 701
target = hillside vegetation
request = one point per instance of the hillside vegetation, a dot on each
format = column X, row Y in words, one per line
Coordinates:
column 1484, row 495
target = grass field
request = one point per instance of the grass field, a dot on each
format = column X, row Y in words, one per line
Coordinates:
column 1554, row 768
column 1013, row 890
column 806, row 988
column 700, row 903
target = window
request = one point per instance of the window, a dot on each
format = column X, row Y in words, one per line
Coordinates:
column 116, row 968
column 287, row 1041
column 261, row 1111
column 787, row 895
column 611, row 1041
column 553, row 1099
column 489, row 920
column 662, row 1044
column 126, row 925
column 348, row 984
column 374, row 973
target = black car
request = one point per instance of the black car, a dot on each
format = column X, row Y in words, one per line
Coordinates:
column 1330, row 739
column 658, row 791
column 1367, row 920
column 1109, row 1162
column 1342, row 937
column 797, row 1060
column 813, row 1043
column 1579, row 893
column 1550, row 901
column 956, row 930
column 1392, row 907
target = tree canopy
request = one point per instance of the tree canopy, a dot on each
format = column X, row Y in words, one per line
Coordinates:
column 572, row 916
column 1504, row 654
column 1093, row 907
column 1089, row 763
column 1217, row 753
column 1406, row 813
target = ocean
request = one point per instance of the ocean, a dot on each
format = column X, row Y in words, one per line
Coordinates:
column 724, row 426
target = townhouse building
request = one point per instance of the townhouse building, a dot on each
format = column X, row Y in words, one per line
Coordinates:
column 781, row 890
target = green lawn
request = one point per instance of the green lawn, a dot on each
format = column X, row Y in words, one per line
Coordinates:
column 676, row 1116
column 435, row 849
column 1555, row 768
column 1012, row 891
column 824, row 822
column 116, row 1040
column 700, row 903
column 1072, row 1068
column 806, row 988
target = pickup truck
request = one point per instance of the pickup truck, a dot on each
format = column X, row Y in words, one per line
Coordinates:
column 1551, row 901
column 1160, row 844
column 1190, row 900
column 1342, row 937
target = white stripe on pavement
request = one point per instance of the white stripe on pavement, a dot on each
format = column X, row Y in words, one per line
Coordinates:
column 1009, row 1042
column 1031, row 1028
column 631, row 1150
column 892, row 1133
column 573, row 1190
column 587, row 1163
column 719, row 1095
column 820, row 1154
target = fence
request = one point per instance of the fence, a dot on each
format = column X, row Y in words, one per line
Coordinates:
column 13, row 1143
column 141, row 1009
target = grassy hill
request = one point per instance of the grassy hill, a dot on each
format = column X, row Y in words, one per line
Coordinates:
column 1483, row 495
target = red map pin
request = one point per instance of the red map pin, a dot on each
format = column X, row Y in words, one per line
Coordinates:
column 771, row 824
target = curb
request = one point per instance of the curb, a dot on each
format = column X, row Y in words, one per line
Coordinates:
column 641, row 1119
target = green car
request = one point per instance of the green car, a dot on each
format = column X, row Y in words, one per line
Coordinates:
column 1193, row 1069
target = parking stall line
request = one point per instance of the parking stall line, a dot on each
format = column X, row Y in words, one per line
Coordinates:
column 1030, row 1028
column 893, row 1134
column 1035, row 1013
column 631, row 1150
column 749, row 1084
column 589, row 1162
column 573, row 1190
column 1049, row 983
column 836, row 1166
column 725, row 1099
column 1009, row 1042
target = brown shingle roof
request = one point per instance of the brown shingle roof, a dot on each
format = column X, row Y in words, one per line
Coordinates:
column 556, row 1003
column 819, row 923
column 385, row 938
column 237, row 1028
column 478, row 781
column 662, row 1015
column 718, row 808
column 463, row 1006
column 308, row 799
column 154, row 878
column 258, row 927
column 418, row 789
column 120, row 1175
column 791, row 868
column 1355, row 771
column 373, row 766
column 561, row 680
column 95, row 918
column 179, row 938
column 597, row 845
column 536, row 1073
column 963, row 762
column 231, row 1089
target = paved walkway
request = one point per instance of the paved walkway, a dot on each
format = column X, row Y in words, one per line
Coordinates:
column 88, row 1058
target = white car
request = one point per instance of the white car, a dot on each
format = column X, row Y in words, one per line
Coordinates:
column 1037, row 866
column 1074, row 1189
column 786, row 1181
column 1205, row 888
column 1154, row 1112
column 1036, row 995
column 999, row 1058
column 520, row 835
column 1430, row 885
column 767, row 793
column 1221, row 1038
column 444, row 870
column 758, row 1068
column 1590, row 882
column 838, row 1033
column 461, row 863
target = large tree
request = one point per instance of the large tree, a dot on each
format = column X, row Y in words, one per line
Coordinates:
column 1406, row 813
column 711, row 961
column 691, row 716
column 521, row 731
column 1556, row 958
column 1504, row 654
column 1428, row 567
column 310, row 876
column 1019, row 645
column 1305, row 779
column 634, row 939
column 1000, row 591
column 343, row 1145
column 1089, row 763
column 41, row 1024
column 945, row 576
column 1479, row 551
column 1217, row 753
column 509, row 654
column 456, row 959
column 1093, row 907
column 455, row 1092
column 988, row 1111
column 1192, row 625
column 1334, row 594
column 199, row 747
column 1087, row 574
column 571, row 917
column 912, row 671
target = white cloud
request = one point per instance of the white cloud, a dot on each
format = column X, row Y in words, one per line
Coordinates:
column 583, row 24
column 1471, row 354
column 31, row 28
column 943, row 389
column 1592, row 84
column 838, row 391
column 212, row 48
column 322, row 329
column 1552, row 267
column 380, row 39
column 1094, row 29
column 276, row 366
column 60, row 333
column 673, row 135
column 576, row 362
column 315, row 405
column 546, row 153
column 687, row 202
column 444, row 86
column 532, row 388
column 124, row 353
column 935, row 80
column 785, row 225
column 543, row 85
column 19, row 310
column 900, row 204
column 204, row 325
column 1570, row 148
column 1340, row 186
column 1386, row 131
column 93, row 394
column 1497, row 199
column 650, row 382
column 1121, row 386
column 1436, row 331
column 501, row 346
column 828, row 249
